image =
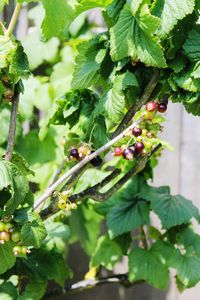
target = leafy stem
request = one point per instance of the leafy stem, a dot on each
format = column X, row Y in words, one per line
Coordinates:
column 12, row 127
column 14, row 18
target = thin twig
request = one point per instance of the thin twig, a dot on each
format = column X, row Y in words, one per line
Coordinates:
column 14, row 18
column 78, row 166
column 144, row 98
column 12, row 128
column 92, row 283
column 143, row 238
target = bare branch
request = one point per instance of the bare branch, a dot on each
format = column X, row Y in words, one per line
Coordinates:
column 14, row 18
column 12, row 128
column 92, row 283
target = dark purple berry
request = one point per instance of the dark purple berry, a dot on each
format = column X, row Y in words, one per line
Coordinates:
column 139, row 146
column 96, row 162
column 164, row 100
column 133, row 148
column 74, row 153
column 128, row 154
column 136, row 131
column 162, row 107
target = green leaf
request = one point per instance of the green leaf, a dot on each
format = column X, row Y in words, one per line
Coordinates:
column 19, row 65
column 115, row 99
column 7, row 258
column 188, row 270
column 147, row 265
column 85, row 225
column 51, row 265
column 134, row 36
column 87, row 66
column 33, row 233
column 111, row 14
column 13, row 187
column 186, row 80
column 170, row 12
column 21, row 163
column 57, row 235
column 107, row 253
column 127, row 216
column 172, row 210
column 84, row 5
column 57, row 21
column 191, row 46
column 8, row 291
column 192, row 103
column 34, row 290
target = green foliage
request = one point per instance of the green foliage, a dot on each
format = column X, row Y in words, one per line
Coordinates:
column 106, row 254
column 129, row 37
column 85, row 78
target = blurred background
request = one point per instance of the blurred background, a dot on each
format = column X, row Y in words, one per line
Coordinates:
column 52, row 64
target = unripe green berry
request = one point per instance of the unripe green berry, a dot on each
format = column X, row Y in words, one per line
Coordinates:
column 17, row 250
column 148, row 115
column 15, row 237
column 73, row 206
column 8, row 227
column 2, row 226
column 25, row 250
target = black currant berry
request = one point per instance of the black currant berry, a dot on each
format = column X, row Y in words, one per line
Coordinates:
column 133, row 148
column 97, row 161
column 162, row 107
column 128, row 154
column 164, row 100
column 139, row 146
column 151, row 106
column 136, row 131
column 74, row 153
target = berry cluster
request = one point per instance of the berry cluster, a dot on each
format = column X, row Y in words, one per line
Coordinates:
column 143, row 136
column 63, row 201
column 8, row 233
column 81, row 152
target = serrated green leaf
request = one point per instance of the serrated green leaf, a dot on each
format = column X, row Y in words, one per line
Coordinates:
column 127, row 216
column 196, row 71
column 147, row 265
column 13, row 187
column 8, row 259
column 188, row 270
column 170, row 12
column 186, row 80
column 19, row 66
column 33, row 232
column 86, row 72
column 115, row 98
column 134, row 36
column 192, row 103
column 57, row 235
column 21, row 163
column 191, row 46
column 57, row 21
column 51, row 265
column 106, row 254
column 172, row 210
column 111, row 14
